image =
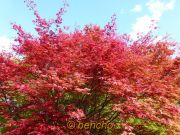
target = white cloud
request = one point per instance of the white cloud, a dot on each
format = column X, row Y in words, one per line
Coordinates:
column 156, row 8
column 5, row 43
column 142, row 25
column 170, row 5
column 137, row 8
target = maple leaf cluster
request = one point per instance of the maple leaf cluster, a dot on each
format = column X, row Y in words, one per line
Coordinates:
column 89, row 75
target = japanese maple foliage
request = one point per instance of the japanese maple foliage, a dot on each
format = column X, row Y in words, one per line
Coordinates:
column 89, row 75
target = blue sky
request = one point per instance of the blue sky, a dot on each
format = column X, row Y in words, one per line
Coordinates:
column 132, row 15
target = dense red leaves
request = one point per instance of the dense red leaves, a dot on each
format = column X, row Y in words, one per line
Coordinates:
column 87, row 75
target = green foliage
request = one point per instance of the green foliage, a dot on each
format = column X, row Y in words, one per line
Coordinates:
column 147, row 127
column 2, row 130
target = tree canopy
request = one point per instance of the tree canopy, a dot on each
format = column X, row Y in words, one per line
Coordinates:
column 89, row 75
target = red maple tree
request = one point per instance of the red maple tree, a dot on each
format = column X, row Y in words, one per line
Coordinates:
column 89, row 75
